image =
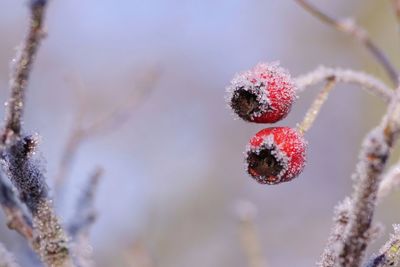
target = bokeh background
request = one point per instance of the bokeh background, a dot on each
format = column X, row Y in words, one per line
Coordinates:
column 174, row 170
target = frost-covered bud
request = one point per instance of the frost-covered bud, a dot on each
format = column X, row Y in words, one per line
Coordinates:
column 264, row 94
column 276, row 155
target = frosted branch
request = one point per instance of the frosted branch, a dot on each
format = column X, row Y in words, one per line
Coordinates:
column 6, row 258
column 340, row 221
column 372, row 161
column 366, row 81
column 349, row 27
column 53, row 243
column 22, row 66
column 26, row 174
column 389, row 254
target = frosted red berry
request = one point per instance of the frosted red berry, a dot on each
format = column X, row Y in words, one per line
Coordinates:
column 276, row 155
column 264, row 94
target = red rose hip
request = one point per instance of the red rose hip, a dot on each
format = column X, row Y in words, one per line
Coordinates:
column 276, row 155
column 264, row 94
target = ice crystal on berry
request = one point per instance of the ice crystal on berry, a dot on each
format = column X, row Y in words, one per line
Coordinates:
column 276, row 155
column 264, row 94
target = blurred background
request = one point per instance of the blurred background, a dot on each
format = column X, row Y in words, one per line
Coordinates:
column 174, row 170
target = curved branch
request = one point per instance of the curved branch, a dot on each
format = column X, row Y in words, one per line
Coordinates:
column 367, row 81
column 358, row 33
column 110, row 122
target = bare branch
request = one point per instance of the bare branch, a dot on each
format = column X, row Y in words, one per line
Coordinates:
column 373, row 158
column 26, row 174
column 389, row 254
column 366, row 81
column 6, row 258
column 349, row 27
column 22, row 68
column 248, row 235
column 108, row 123
column 49, row 240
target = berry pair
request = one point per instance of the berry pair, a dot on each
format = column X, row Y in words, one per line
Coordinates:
column 265, row 94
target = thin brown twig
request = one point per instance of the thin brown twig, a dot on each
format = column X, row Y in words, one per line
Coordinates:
column 358, row 33
column 22, row 64
column 110, row 122
column 22, row 68
column 49, row 240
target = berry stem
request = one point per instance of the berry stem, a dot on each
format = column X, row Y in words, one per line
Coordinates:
column 313, row 111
